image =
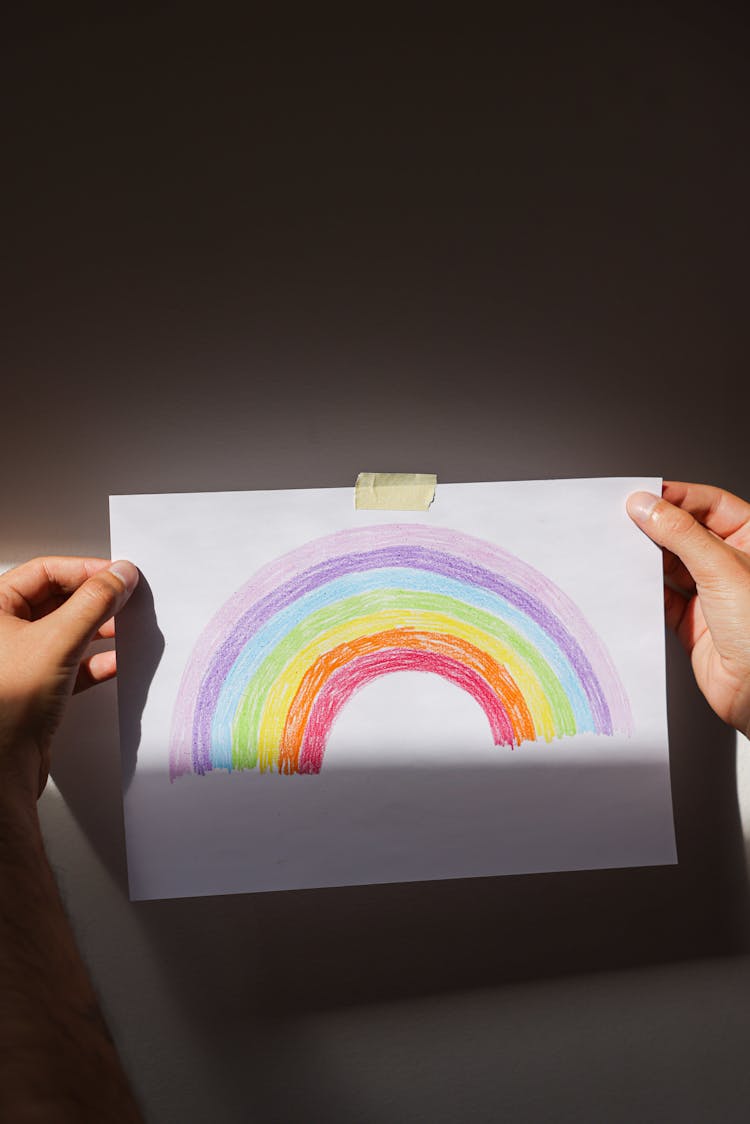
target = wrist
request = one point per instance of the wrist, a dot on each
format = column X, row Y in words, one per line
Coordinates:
column 20, row 765
column 18, row 810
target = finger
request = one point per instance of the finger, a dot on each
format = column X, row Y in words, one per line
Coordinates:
column 704, row 555
column 87, row 610
column 677, row 574
column 720, row 511
column 35, row 583
column 106, row 632
column 53, row 603
column 96, row 669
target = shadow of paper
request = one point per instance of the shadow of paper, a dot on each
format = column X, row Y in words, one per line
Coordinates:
column 305, row 950
column 313, row 949
column 140, row 645
column 87, row 768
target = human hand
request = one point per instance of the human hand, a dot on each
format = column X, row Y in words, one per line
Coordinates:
column 705, row 534
column 50, row 611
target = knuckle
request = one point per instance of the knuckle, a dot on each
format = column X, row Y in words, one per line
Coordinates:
column 100, row 591
column 674, row 520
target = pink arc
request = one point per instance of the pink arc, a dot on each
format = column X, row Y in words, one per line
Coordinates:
column 344, row 682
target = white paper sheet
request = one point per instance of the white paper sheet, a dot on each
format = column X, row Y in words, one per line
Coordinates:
column 316, row 696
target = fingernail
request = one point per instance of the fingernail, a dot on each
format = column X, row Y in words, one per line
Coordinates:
column 641, row 504
column 127, row 573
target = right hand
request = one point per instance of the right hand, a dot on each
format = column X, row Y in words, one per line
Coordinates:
column 705, row 536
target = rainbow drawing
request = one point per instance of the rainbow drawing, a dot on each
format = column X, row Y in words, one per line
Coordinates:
column 280, row 659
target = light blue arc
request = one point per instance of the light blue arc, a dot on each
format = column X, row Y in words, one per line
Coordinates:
column 262, row 643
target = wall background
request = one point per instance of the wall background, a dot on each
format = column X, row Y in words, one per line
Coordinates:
column 239, row 257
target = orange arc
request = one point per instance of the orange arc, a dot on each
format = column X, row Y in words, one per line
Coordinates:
column 498, row 677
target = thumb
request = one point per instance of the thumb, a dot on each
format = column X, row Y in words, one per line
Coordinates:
column 704, row 555
column 93, row 603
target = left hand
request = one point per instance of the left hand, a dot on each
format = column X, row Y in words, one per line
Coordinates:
column 50, row 611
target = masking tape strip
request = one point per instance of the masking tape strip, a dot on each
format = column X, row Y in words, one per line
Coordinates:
column 395, row 491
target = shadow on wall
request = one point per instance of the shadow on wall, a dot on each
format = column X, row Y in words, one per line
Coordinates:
column 296, row 951
column 140, row 644
column 87, row 767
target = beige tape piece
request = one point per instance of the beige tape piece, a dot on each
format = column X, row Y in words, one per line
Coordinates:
column 395, row 491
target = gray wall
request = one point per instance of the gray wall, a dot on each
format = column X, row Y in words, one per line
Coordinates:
column 244, row 259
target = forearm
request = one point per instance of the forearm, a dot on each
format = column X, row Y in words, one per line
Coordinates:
column 57, row 1059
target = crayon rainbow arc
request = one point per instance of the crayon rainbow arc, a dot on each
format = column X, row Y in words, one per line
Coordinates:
column 286, row 652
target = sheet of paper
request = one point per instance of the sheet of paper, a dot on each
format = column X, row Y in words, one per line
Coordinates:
column 312, row 695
